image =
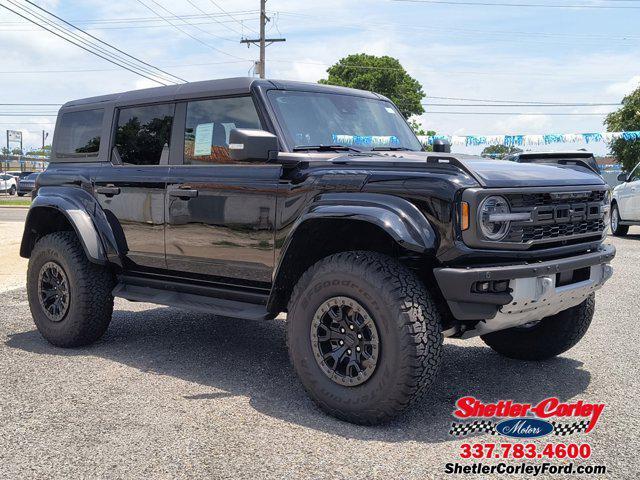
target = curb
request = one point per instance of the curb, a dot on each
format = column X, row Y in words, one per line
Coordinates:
column 14, row 206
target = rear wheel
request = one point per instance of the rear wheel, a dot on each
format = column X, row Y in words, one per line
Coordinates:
column 364, row 336
column 547, row 338
column 12, row 190
column 616, row 228
column 70, row 297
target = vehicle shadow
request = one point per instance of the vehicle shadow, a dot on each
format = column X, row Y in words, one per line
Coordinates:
column 245, row 358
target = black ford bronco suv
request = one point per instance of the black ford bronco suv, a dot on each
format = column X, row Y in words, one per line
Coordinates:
column 247, row 198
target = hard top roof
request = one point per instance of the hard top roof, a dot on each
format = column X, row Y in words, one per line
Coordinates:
column 221, row 87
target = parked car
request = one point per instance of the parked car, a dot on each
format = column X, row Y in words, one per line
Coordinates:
column 625, row 202
column 7, row 184
column 27, row 183
column 19, row 174
column 248, row 198
column 578, row 158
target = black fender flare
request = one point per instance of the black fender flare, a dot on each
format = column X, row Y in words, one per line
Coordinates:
column 399, row 218
column 85, row 215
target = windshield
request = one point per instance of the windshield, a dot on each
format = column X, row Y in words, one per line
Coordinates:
column 311, row 119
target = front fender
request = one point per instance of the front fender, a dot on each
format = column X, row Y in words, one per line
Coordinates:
column 84, row 214
column 398, row 217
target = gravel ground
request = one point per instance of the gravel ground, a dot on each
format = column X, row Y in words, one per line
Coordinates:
column 171, row 394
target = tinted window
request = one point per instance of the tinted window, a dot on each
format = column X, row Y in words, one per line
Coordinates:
column 209, row 122
column 311, row 118
column 144, row 133
column 79, row 132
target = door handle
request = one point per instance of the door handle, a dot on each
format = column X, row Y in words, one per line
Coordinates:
column 108, row 191
column 183, row 194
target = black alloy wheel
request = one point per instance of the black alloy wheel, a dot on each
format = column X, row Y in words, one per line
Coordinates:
column 53, row 291
column 345, row 341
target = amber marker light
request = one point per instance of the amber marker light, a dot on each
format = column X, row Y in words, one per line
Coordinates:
column 464, row 216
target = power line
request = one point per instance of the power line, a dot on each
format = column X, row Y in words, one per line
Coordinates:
column 83, row 70
column 533, row 5
column 205, row 13
column 516, row 113
column 177, row 27
column 138, row 19
column 223, row 10
column 78, row 41
column 493, row 100
column 508, row 105
column 107, row 44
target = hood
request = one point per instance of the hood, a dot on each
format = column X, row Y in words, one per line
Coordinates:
column 488, row 173
column 502, row 173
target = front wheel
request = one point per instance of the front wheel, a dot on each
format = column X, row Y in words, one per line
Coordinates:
column 547, row 338
column 617, row 229
column 364, row 336
column 12, row 190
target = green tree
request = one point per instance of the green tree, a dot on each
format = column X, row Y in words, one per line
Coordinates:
column 384, row 75
column 499, row 151
column 16, row 151
column 627, row 117
column 419, row 130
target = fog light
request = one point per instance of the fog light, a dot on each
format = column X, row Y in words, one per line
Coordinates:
column 496, row 286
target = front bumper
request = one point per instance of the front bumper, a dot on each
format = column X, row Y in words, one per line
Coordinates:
column 533, row 291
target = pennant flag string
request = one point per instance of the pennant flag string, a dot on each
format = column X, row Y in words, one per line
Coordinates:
column 531, row 140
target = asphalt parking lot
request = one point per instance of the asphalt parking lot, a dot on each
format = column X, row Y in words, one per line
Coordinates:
column 169, row 394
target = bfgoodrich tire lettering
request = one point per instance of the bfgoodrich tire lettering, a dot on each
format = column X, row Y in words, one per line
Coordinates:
column 90, row 303
column 549, row 337
column 406, row 320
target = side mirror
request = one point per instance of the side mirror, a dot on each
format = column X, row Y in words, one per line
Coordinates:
column 441, row 145
column 247, row 145
column 622, row 177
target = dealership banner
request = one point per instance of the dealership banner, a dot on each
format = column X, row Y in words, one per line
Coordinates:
column 524, row 140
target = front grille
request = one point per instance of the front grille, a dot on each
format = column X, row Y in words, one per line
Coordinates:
column 524, row 200
column 557, row 217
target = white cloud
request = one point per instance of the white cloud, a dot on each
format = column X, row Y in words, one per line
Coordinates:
column 622, row 89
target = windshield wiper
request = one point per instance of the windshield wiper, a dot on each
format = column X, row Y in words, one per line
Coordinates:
column 326, row 148
column 389, row 149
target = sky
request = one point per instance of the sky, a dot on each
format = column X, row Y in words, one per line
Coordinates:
column 529, row 54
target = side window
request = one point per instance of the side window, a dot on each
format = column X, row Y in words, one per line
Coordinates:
column 79, row 133
column 143, row 134
column 209, row 122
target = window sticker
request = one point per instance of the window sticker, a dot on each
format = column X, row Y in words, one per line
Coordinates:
column 204, row 135
column 390, row 110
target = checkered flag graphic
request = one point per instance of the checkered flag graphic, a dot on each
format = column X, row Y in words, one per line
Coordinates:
column 563, row 429
column 464, row 429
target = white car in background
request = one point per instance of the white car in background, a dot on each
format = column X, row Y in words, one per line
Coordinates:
column 8, row 184
column 625, row 202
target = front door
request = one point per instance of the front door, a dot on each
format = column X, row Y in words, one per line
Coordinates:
column 131, row 189
column 629, row 197
column 220, row 214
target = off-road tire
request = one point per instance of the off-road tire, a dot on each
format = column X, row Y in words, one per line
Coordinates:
column 620, row 230
column 407, row 321
column 90, row 285
column 549, row 337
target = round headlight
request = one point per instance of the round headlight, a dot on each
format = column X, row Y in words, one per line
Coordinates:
column 492, row 226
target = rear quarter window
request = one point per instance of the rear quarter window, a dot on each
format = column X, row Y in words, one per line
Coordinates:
column 79, row 133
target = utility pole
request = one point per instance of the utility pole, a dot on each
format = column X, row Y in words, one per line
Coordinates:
column 262, row 42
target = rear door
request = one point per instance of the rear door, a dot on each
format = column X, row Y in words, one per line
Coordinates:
column 131, row 188
column 220, row 213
